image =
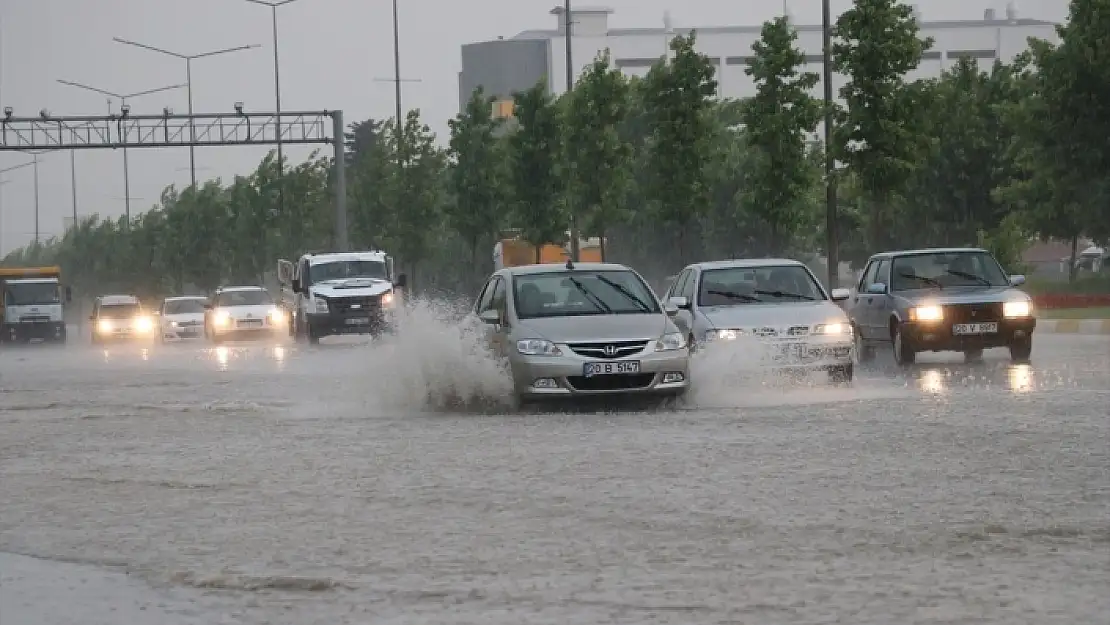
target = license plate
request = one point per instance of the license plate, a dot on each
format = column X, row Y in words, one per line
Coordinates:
column 591, row 369
column 189, row 334
column 250, row 322
column 357, row 321
column 975, row 328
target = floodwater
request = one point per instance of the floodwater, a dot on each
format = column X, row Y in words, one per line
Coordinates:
column 341, row 484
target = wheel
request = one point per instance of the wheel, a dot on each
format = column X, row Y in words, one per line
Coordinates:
column 904, row 352
column 864, row 353
column 973, row 355
column 1021, row 349
column 842, row 375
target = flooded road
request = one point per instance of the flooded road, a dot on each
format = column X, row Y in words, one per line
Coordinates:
column 293, row 485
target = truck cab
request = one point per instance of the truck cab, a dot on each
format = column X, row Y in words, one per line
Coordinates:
column 32, row 304
column 340, row 293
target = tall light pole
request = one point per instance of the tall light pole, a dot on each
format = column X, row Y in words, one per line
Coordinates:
column 832, row 254
column 188, row 58
column 574, row 252
column 124, row 109
column 274, row 4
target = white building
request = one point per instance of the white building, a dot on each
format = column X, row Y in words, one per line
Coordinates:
column 505, row 66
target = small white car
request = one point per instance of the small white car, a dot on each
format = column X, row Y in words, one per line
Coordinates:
column 120, row 318
column 243, row 312
column 777, row 302
column 182, row 318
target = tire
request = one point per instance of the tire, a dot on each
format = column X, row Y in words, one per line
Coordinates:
column 973, row 355
column 864, row 353
column 904, row 351
column 1021, row 350
column 842, row 375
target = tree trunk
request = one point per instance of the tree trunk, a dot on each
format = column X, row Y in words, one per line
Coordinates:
column 1073, row 270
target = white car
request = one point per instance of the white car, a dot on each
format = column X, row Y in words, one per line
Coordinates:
column 182, row 318
column 242, row 312
column 120, row 318
column 775, row 301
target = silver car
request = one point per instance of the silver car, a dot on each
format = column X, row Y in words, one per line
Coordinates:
column 777, row 301
column 586, row 329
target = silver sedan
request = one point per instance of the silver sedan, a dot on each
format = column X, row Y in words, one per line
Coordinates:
column 580, row 330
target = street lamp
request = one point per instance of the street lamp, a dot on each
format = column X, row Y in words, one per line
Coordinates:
column 188, row 58
column 124, row 108
column 274, row 4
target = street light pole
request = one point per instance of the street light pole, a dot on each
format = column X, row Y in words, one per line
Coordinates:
column 832, row 253
column 397, row 76
column 574, row 251
column 73, row 182
column 35, row 168
column 188, row 58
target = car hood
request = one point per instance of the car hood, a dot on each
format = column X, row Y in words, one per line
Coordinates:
column 352, row 287
column 965, row 295
column 776, row 314
column 185, row 317
column 591, row 328
column 255, row 312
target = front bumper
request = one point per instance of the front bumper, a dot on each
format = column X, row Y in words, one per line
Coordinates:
column 941, row 337
column 179, row 332
column 364, row 321
column 816, row 352
column 125, row 333
column 552, row 377
column 242, row 328
column 44, row 330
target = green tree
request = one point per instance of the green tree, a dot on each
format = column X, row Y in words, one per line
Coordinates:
column 478, row 175
column 777, row 120
column 880, row 133
column 597, row 157
column 534, row 182
column 678, row 104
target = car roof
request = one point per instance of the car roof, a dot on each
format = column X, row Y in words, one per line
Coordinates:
column 182, row 298
column 930, row 250
column 525, row 270
column 333, row 257
column 228, row 289
column 748, row 263
column 115, row 300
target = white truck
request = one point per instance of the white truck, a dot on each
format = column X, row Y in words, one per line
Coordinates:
column 32, row 304
column 340, row 293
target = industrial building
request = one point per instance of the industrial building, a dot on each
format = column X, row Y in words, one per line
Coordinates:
column 505, row 66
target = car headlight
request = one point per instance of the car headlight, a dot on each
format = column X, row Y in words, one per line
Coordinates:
column 221, row 318
column 723, row 335
column 927, row 313
column 537, row 347
column 144, row 324
column 387, row 299
column 321, row 304
column 1011, row 310
column 104, row 325
column 835, row 328
column 277, row 316
column 670, row 342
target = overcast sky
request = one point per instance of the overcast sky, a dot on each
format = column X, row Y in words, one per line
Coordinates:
column 332, row 52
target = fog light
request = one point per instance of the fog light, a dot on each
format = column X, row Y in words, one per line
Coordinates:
column 545, row 383
column 672, row 377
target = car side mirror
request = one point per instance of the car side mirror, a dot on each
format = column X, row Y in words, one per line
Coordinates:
column 839, row 295
column 877, row 288
column 491, row 316
column 401, row 281
column 296, row 284
column 1017, row 280
column 678, row 302
column 670, row 309
column 69, row 294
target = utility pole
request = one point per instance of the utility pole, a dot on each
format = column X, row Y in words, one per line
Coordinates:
column 832, row 253
column 574, row 236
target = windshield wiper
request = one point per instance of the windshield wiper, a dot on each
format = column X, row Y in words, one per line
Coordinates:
column 969, row 276
column 781, row 294
column 734, row 295
column 620, row 288
column 914, row 276
column 594, row 299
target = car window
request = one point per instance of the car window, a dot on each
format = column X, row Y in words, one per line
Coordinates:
column 679, row 283
column 758, row 285
column 486, row 296
column 118, row 311
column 688, row 284
column 497, row 301
column 183, row 307
column 582, row 292
column 244, row 298
column 946, row 269
column 866, row 278
column 882, row 272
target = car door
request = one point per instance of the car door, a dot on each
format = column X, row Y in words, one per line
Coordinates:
column 879, row 304
column 499, row 335
column 863, row 303
column 484, row 303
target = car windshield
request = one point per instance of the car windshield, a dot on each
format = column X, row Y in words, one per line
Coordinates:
column 185, row 306
column 32, row 293
column 253, row 297
column 735, row 286
column 345, row 269
column 573, row 293
column 119, row 311
column 946, row 269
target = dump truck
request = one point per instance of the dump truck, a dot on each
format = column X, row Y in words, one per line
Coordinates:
column 514, row 252
column 32, row 304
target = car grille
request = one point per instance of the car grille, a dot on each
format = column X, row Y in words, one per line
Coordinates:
column 34, row 319
column 610, row 350
column 611, row 382
column 354, row 305
column 769, row 332
column 249, row 323
column 973, row 313
column 188, row 324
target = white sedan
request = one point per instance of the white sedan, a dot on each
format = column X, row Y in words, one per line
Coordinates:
column 182, row 318
column 777, row 302
column 243, row 312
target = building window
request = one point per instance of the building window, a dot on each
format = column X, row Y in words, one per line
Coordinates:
column 503, row 109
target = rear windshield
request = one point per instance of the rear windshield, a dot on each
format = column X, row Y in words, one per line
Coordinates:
column 119, row 311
